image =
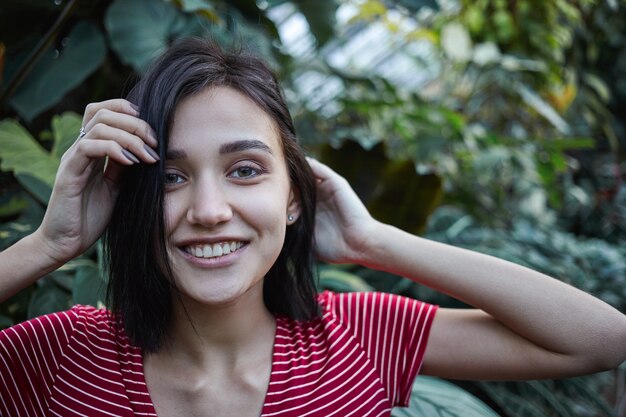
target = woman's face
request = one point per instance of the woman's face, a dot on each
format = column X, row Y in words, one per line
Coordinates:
column 227, row 197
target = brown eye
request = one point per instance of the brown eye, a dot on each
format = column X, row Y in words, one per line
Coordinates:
column 245, row 172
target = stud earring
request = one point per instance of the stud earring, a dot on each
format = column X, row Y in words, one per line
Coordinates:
column 290, row 218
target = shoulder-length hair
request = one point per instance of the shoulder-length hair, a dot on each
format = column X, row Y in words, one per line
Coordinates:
column 141, row 285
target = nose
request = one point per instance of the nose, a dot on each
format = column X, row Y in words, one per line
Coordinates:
column 209, row 205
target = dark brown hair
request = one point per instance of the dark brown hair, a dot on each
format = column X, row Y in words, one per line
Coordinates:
column 140, row 286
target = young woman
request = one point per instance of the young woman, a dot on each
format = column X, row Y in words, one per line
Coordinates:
column 211, row 224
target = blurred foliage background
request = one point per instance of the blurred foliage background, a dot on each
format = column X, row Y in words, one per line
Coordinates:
column 494, row 125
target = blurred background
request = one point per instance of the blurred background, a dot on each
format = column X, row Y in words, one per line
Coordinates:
column 495, row 125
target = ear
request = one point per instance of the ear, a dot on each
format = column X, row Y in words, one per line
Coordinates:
column 294, row 206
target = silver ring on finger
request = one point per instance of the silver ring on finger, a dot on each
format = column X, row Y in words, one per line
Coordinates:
column 82, row 132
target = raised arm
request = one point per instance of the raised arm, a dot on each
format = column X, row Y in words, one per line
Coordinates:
column 84, row 193
column 526, row 325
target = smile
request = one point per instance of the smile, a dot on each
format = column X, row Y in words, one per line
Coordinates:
column 215, row 250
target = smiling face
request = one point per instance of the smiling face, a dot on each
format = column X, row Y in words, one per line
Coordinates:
column 227, row 197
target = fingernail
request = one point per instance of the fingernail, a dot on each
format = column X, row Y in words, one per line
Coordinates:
column 132, row 158
column 135, row 107
column 152, row 152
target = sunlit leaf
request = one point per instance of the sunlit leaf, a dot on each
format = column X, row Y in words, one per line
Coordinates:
column 456, row 42
column 542, row 107
column 58, row 72
column 13, row 207
column 337, row 280
column 65, row 129
column 598, row 86
column 370, row 10
column 22, row 154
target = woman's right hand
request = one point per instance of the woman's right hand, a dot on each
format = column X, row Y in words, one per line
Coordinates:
column 87, row 181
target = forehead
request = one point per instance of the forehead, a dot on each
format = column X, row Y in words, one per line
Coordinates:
column 221, row 114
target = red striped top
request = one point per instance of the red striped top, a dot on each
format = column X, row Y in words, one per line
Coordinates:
column 358, row 359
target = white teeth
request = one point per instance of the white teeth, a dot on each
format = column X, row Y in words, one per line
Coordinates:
column 215, row 250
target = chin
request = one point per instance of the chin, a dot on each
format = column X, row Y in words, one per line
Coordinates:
column 222, row 297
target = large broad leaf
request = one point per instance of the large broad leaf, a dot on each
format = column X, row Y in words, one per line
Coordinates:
column 24, row 225
column 320, row 16
column 435, row 397
column 141, row 29
column 392, row 190
column 22, row 154
column 37, row 187
column 334, row 279
column 88, row 287
column 32, row 165
column 58, row 72
column 48, row 298
column 65, row 130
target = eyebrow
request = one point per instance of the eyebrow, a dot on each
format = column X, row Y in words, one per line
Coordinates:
column 230, row 147
column 244, row 145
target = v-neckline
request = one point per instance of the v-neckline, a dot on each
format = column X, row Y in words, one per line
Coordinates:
column 278, row 328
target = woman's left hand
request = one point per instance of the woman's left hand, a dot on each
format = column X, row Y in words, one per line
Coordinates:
column 343, row 227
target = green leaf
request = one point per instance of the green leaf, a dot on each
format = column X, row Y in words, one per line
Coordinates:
column 88, row 287
column 16, row 307
column 13, row 207
column 140, row 30
column 532, row 99
column 48, row 298
column 27, row 222
column 65, row 129
column 564, row 144
column 57, row 73
column 392, row 190
column 38, row 188
column 21, row 153
column 320, row 16
column 415, row 6
column 436, row 397
column 341, row 281
column 202, row 7
column 5, row 322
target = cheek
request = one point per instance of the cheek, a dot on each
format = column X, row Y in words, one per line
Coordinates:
column 173, row 211
column 266, row 208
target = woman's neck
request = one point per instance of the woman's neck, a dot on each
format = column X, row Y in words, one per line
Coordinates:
column 202, row 334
